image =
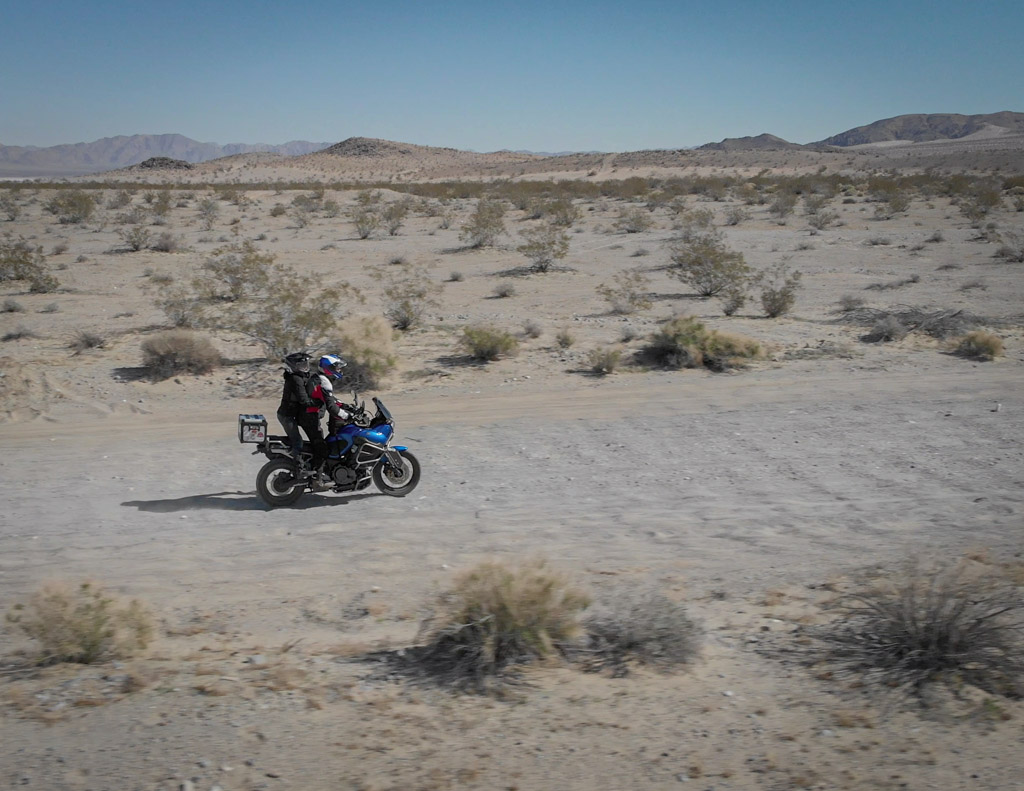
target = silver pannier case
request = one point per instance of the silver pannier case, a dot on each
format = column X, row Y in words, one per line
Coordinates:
column 252, row 428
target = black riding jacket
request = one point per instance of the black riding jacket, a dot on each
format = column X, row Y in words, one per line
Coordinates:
column 295, row 400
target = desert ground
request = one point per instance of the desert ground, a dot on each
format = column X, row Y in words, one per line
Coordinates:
column 755, row 496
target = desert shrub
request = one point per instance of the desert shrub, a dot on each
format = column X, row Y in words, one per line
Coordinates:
column 633, row 220
column 86, row 339
column 929, row 626
column 886, row 328
column 778, row 286
column 21, row 261
column 782, row 206
column 394, row 214
column 822, row 220
column 1012, row 248
column 684, row 342
column 644, row 627
column 628, row 292
column 485, row 224
column 497, row 616
column 162, row 204
column 209, row 210
column 119, row 199
column 565, row 339
column 136, row 237
column 51, row 307
column 708, row 266
column 848, row 302
column 12, row 306
column 532, row 329
column 82, row 624
column 736, row 215
column 366, row 220
column 456, row 277
column 973, row 283
column 278, row 210
column 179, row 352
column 543, row 245
column 694, row 224
column 604, row 360
column 409, row 293
column 368, row 345
column 19, row 333
column 241, row 289
column 936, row 237
column 72, row 206
column 504, row 291
column 165, row 242
column 9, row 207
column 733, row 298
column 60, row 248
column 486, row 343
column 561, row 212
column 980, row 345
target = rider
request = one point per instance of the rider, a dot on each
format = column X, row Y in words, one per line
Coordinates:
column 320, row 388
column 295, row 400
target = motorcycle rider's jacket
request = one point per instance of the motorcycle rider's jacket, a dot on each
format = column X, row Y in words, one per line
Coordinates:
column 295, row 398
column 321, row 393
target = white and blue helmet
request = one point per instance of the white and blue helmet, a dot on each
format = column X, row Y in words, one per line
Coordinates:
column 331, row 366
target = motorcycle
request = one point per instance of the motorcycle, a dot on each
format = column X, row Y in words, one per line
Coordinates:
column 358, row 452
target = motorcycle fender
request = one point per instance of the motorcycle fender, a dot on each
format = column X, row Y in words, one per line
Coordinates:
column 391, row 454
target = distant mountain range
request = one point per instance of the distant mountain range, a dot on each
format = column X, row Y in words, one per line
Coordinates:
column 109, row 153
column 112, row 153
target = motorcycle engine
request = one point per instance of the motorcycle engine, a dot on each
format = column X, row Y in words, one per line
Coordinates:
column 344, row 476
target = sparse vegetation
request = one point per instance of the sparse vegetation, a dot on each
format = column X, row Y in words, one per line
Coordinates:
column 486, row 343
column 628, row 292
column 543, row 245
column 498, row 616
column 21, row 261
column 604, row 360
column 633, row 220
column 930, row 626
column 409, row 292
column 82, row 624
column 980, row 345
column 86, row 339
column 176, row 352
column 684, row 342
column 708, row 266
column 485, row 224
column 778, row 285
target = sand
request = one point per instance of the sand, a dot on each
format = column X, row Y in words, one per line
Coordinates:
column 753, row 496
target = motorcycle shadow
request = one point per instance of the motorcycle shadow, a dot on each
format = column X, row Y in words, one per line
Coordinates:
column 238, row 501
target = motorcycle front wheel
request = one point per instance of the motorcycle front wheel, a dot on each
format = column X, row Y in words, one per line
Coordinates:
column 394, row 482
column 274, row 483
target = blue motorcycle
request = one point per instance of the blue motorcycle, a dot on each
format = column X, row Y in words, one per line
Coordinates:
column 358, row 452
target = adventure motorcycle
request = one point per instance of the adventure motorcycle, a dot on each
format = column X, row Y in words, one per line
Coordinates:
column 357, row 452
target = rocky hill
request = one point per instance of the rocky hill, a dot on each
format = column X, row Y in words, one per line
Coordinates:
column 763, row 142
column 925, row 128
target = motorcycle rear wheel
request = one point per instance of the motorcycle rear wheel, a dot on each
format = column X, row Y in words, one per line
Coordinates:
column 397, row 483
column 273, row 483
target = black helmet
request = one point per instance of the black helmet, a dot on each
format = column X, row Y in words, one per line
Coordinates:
column 297, row 362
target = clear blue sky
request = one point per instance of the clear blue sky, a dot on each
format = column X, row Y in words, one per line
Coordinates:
column 544, row 76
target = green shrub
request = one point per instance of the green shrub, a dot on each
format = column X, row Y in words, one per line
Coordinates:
column 488, row 343
column 366, row 220
column 684, row 342
column 82, row 625
column 980, row 345
column 136, row 238
column 21, row 261
column 485, row 224
column 634, row 220
column 72, row 206
column 409, row 293
column 543, row 245
column 708, row 266
column 498, row 616
column 179, row 352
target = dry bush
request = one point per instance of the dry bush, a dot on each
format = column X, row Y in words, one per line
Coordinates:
column 368, row 345
column 532, row 329
column 72, row 206
column 887, row 328
column 456, row 277
column 504, row 291
column 643, row 626
column 1012, row 248
column 979, row 345
column 12, row 306
column 488, row 343
column 21, row 261
column 892, row 284
column 778, row 289
column 604, row 360
column 926, row 626
column 633, row 220
column 705, row 264
column 564, row 339
column 497, row 616
column 942, row 323
column 628, row 292
column 83, row 340
column 136, row 237
column 684, row 342
column 82, row 624
column 696, row 223
column 177, row 352
column 19, row 333
column 166, row 242
column 849, row 302
column 409, row 293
